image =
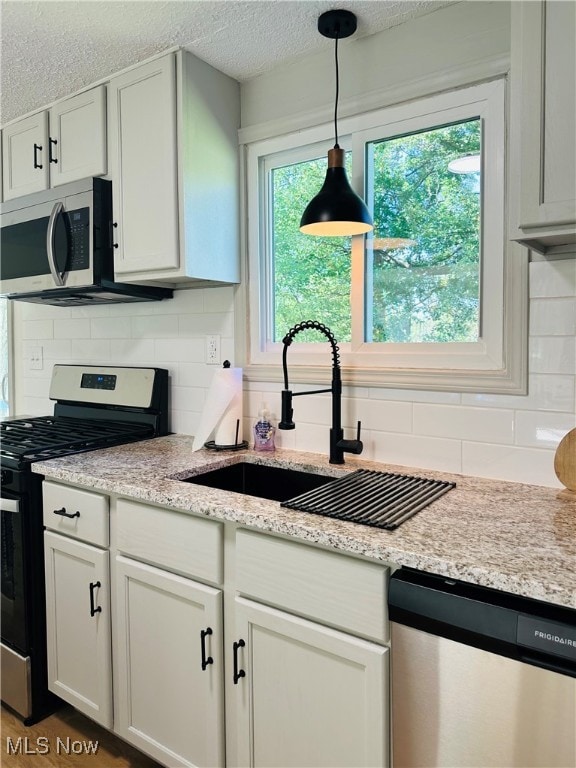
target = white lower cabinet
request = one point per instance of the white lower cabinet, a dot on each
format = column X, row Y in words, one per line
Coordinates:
column 78, row 625
column 227, row 647
column 169, row 665
column 307, row 695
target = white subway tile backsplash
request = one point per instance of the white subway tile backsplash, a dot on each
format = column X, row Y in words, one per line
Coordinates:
column 542, row 429
column 92, row 351
column 154, row 326
column 72, row 328
column 383, row 416
column 553, row 278
column 132, row 352
column 38, row 329
column 311, row 437
column 181, row 350
column 184, row 422
column 109, row 328
column 552, row 354
column 194, row 375
column 503, row 436
column 459, row 422
column 36, row 387
column 187, row 398
column 416, row 451
column 553, row 317
column 221, row 323
column 219, row 299
column 100, row 310
column 24, row 312
column 524, row 465
column 55, row 350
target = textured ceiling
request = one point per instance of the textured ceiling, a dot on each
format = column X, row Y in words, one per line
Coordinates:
column 51, row 48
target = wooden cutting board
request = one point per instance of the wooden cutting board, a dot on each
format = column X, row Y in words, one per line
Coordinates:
column 565, row 461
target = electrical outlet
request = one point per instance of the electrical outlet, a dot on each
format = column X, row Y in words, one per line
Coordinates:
column 36, row 359
column 212, row 350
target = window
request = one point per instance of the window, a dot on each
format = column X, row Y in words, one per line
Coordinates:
column 426, row 300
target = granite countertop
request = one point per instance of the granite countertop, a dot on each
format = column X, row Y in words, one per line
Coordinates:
column 508, row 536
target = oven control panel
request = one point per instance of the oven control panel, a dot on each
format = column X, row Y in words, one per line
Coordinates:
column 112, row 386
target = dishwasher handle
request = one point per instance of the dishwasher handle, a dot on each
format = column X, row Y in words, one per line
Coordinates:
column 510, row 625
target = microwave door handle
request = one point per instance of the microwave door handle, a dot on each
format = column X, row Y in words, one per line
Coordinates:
column 56, row 211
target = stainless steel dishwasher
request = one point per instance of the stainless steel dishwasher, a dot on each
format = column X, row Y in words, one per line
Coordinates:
column 479, row 677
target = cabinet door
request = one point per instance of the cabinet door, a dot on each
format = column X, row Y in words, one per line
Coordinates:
column 310, row 695
column 78, row 137
column 169, row 704
column 142, row 136
column 25, row 156
column 78, row 624
column 544, row 68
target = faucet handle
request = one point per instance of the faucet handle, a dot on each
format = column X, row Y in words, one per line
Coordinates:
column 352, row 446
column 286, row 418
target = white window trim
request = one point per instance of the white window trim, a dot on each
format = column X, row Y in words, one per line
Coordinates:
column 498, row 361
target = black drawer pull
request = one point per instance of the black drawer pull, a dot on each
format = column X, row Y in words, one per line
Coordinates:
column 238, row 673
column 51, row 158
column 62, row 512
column 209, row 659
column 93, row 611
column 37, row 148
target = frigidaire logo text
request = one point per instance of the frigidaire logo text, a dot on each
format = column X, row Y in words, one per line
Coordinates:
column 554, row 638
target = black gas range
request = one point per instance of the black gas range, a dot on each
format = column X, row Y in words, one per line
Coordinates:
column 96, row 407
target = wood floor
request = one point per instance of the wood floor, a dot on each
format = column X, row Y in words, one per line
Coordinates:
column 52, row 743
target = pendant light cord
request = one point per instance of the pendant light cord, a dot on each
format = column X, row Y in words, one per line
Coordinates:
column 337, row 94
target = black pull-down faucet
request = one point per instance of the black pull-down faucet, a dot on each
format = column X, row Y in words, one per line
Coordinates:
column 338, row 446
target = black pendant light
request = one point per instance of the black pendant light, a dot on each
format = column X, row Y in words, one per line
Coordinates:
column 336, row 210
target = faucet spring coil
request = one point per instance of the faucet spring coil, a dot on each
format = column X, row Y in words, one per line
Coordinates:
column 316, row 326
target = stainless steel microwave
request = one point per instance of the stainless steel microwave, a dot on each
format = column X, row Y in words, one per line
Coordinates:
column 57, row 248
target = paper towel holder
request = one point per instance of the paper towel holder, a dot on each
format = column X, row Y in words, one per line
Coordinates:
column 236, row 446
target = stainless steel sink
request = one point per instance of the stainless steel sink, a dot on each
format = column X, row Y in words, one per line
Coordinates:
column 265, row 482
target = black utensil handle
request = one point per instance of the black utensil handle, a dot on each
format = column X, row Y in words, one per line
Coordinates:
column 205, row 659
column 62, row 512
column 37, row 148
column 94, row 585
column 51, row 158
column 238, row 673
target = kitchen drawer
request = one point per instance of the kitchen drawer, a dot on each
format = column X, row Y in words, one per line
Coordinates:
column 89, row 510
column 334, row 589
column 172, row 540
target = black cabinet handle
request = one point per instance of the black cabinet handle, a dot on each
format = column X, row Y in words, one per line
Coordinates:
column 115, row 226
column 238, row 673
column 93, row 611
column 51, row 158
column 37, row 148
column 62, row 512
column 205, row 660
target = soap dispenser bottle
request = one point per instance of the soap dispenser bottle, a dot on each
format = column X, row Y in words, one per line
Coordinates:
column 264, row 431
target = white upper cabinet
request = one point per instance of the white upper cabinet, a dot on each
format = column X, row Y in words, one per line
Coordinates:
column 143, row 164
column 78, row 137
column 543, row 171
column 52, row 147
column 172, row 126
column 25, row 156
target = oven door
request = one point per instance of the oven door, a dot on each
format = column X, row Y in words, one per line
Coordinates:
column 46, row 240
column 15, row 655
column 14, row 629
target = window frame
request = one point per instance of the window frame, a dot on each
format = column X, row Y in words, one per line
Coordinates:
column 497, row 361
